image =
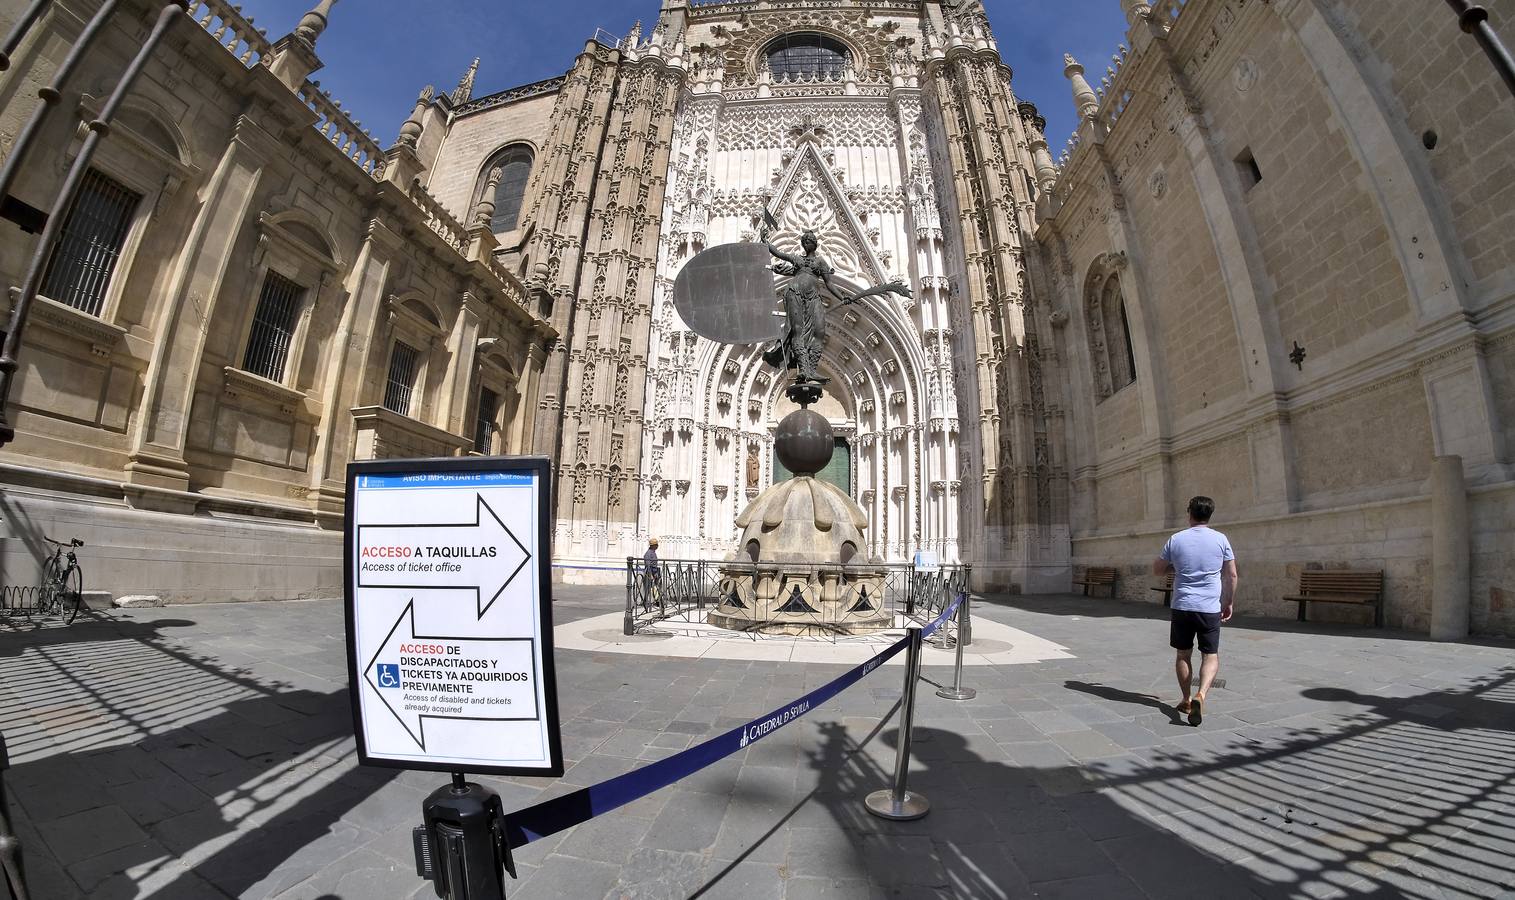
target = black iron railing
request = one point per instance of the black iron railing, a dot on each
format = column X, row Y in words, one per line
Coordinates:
column 818, row 599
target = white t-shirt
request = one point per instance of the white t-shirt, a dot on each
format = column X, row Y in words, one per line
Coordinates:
column 1197, row 555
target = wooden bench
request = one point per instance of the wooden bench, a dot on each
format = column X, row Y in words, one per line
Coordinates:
column 1361, row 588
column 1167, row 590
column 1097, row 575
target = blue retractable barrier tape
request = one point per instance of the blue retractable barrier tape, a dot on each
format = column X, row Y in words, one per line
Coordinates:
column 551, row 816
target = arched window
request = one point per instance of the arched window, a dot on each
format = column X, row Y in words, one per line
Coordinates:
column 808, row 55
column 1109, row 331
column 515, row 165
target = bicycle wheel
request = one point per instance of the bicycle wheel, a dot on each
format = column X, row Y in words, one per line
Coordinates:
column 72, row 596
column 49, row 587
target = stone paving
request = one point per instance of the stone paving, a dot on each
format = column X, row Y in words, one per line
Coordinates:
column 206, row 752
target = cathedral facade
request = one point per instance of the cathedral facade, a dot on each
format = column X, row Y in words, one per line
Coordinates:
column 1273, row 266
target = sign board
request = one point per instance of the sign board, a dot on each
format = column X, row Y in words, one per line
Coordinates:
column 726, row 293
column 449, row 615
column 927, row 561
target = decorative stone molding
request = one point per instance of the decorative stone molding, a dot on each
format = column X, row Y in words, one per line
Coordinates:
column 239, row 384
column 103, row 337
column 897, row 398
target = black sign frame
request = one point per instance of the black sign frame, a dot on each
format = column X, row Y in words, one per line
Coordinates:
column 541, row 468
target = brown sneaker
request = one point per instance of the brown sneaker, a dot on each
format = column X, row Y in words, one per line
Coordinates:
column 1196, row 711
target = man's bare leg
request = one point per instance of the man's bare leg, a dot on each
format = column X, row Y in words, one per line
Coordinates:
column 1184, row 669
column 1209, row 664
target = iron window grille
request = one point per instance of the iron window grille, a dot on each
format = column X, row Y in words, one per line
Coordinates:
column 806, row 55
column 483, row 431
column 273, row 327
column 94, row 234
column 402, row 378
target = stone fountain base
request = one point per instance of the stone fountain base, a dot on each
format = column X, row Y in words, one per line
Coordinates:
column 799, row 565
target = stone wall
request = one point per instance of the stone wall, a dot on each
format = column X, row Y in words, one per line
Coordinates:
column 1382, row 257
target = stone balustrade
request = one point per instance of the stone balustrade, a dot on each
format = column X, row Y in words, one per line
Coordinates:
column 232, row 30
column 438, row 219
column 345, row 134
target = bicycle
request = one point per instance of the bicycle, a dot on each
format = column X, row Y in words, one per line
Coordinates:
column 62, row 591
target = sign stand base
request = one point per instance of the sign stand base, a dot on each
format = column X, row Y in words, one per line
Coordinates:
column 462, row 847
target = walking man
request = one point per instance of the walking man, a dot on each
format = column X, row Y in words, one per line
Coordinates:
column 1204, row 589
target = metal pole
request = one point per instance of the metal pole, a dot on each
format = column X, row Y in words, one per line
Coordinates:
column 898, row 803
column 22, row 26
column 1474, row 20
column 97, row 131
column 50, row 94
column 11, row 873
column 628, row 626
column 957, row 691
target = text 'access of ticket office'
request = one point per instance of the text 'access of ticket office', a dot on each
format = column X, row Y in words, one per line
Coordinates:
column 449, row 619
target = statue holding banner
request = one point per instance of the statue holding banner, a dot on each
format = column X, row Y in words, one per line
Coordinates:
column 804, row 308
column 801, row 563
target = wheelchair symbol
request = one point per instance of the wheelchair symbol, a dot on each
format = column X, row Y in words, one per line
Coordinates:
column 389, row 675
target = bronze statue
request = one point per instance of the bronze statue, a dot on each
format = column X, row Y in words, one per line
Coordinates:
column 804, row 309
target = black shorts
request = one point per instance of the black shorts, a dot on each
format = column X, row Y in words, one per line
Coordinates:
column 1187, row 625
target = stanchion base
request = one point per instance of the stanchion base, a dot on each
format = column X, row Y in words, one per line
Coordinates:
column 948, row 693
column 883, row 805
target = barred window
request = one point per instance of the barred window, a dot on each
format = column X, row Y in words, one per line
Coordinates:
column 483, row 430
column 806, row 54
column 273, row 327
column 90, row 245
column 403, row 361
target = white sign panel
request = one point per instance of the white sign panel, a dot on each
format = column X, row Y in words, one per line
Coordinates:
column 449, row 620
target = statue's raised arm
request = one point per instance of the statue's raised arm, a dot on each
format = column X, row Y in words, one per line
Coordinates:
column 770, row 225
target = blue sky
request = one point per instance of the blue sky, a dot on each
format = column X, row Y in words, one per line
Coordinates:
column 380, row 53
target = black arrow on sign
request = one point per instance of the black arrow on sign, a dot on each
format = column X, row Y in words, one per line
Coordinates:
column 414, row 723
column 484, row 575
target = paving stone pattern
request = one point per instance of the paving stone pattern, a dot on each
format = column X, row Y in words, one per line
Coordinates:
column 206, row 752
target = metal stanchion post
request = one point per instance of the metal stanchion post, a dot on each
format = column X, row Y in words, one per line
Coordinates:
column 957, row 691
column 897, row 802
column 462, row 847
column 11, row 874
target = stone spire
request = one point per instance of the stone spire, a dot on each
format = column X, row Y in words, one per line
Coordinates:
column 314, row 22
column 484, row 211
column 464, row 91
column 1136, row 10
column 293, row 58
column 1084, row 98
column 410, row 129
column 1041, row 156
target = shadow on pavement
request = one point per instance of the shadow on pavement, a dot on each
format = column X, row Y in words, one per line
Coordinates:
column 1117, row 695
column 1405, row 797
column 141, row 768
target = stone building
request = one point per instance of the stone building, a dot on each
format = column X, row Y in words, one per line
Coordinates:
column 1253, row 177
column 1091, row 340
